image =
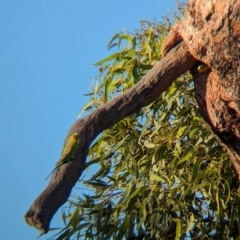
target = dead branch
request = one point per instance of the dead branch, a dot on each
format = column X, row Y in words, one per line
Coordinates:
column 175, row 63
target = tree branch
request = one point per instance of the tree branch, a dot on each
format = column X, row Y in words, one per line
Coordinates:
column 156, row 81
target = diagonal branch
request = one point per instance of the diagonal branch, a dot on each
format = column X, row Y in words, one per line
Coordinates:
column 156, row 81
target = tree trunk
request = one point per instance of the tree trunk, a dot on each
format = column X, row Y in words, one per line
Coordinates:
column 209, row 32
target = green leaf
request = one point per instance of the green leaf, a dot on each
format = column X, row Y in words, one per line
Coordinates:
column 181, row 131
column 227, row 192
column 64, row 235
column 149, row 145
column 187, row 157
column 134, row 193
column 195, row 169
column 109, row 58
column 157, row 178
column 178, row 228
column 125, row 194
column 191, row 223
column 98, row 184
column 74, row 218
column 200, row 186
column 110, row 44
column 193, row 132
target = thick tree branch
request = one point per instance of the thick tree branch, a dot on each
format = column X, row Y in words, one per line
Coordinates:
column 175, row 63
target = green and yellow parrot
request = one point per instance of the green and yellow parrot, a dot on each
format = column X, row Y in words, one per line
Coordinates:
column 203, row 67
column 68, row 151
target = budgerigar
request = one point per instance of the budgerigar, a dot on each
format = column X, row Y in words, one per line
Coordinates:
column 68, row 151
column 203, row 67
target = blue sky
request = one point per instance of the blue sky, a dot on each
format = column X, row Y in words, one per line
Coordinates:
column 47, row 51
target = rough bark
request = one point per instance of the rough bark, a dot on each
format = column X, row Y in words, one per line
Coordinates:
column 176, row 62
column 211, row 30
